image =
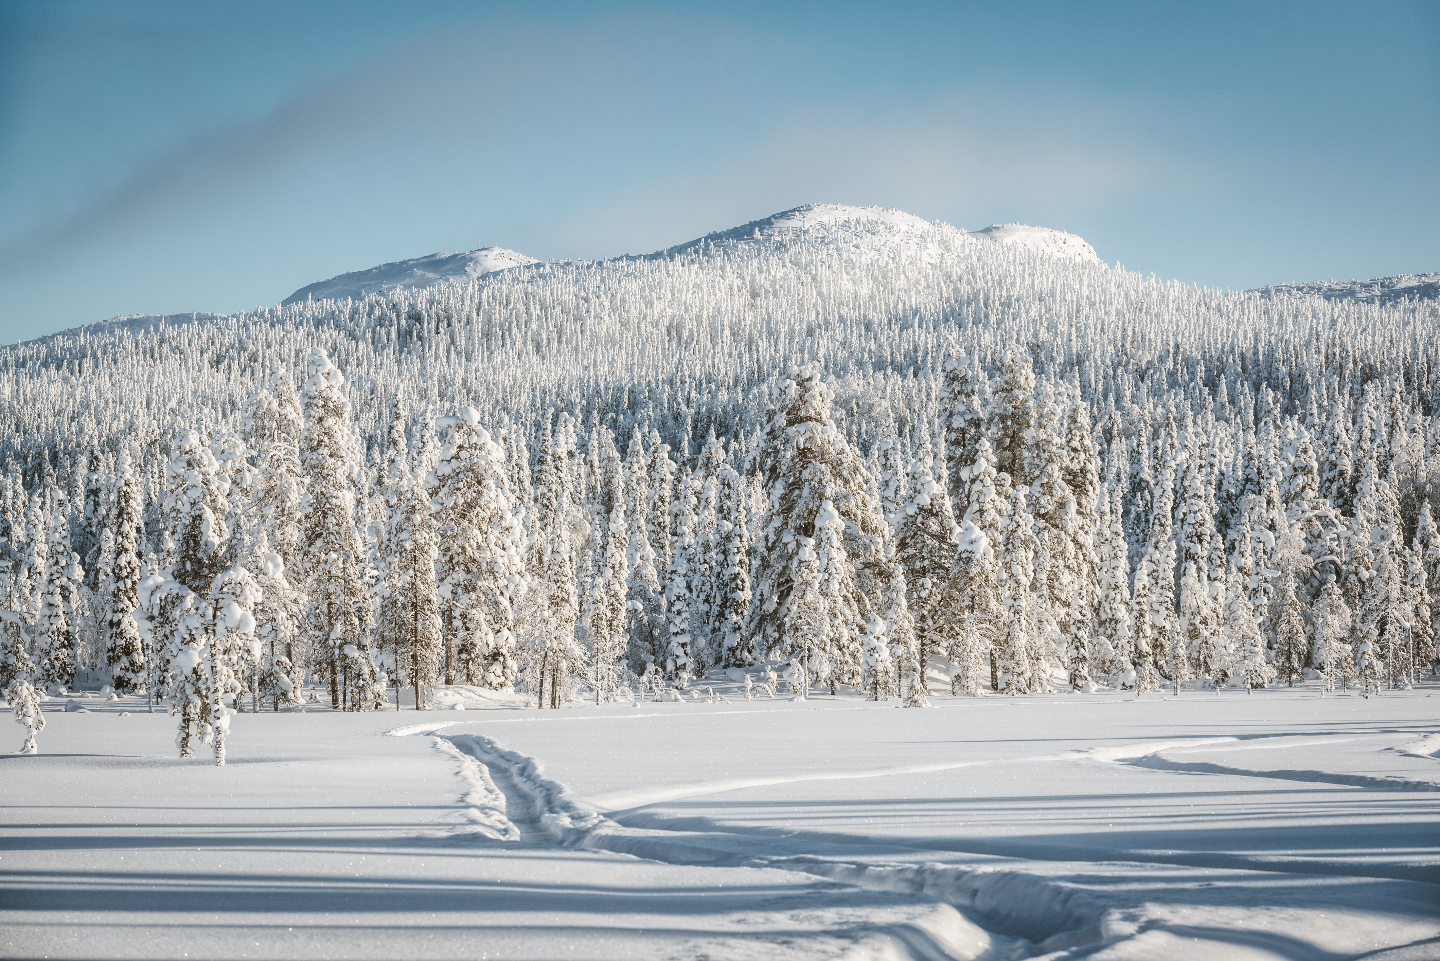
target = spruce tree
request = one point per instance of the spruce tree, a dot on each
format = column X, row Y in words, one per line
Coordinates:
column 1331, row 650
column 334, row 558
column 1016, row 571
column 481, row 552
column 805, row 461
column 679, row 664
column 126, row 654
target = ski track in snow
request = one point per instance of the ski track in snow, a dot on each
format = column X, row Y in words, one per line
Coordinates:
column 510, row 798
column 1150, row 756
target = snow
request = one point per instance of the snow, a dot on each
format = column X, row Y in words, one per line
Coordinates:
column 432, row 270
column 810, row 220
column 1380, row 290
column 1284, row 824
column 1056, row 242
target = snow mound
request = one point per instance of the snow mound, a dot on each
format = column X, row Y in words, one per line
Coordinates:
column 430, row 271
column 464, row 697
column 1380, row 290
column 1056, row 242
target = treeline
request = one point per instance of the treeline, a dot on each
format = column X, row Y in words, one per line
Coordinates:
column 1012, row 539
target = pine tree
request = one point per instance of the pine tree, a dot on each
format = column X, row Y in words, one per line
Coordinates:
column 26, row 703
column 1420, row 638
column 334, row 558
column 738, row 649
column 877, row 671
column 1289, row 633
column 554, row 655
column 231, row 623
column 805, row 461
column 679, row 664
column 481, row 552
column 910, row 678
column 126, row 654
column 1154, row 596
column 1332, row 629
column 410, row 610
column 606, row 622
column 56, row 620
column 1112, row 616
column 962, row 410
column 925, row 545
column 841, row 651
column 1016, row 571
column 1242, row 634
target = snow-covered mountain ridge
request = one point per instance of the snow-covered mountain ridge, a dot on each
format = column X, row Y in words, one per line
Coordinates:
column 428, row 271
column 1380, row 290
column 872, row 228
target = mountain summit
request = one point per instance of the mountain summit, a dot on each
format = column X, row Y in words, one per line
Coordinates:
column 428, row 271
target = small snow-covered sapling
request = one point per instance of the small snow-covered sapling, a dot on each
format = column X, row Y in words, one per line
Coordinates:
column 27, row 712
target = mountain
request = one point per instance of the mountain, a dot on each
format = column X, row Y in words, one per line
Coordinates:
column 1044, row 239
column 133, row 324
column 1381, row 290
column 874, row 226
column 429, row 271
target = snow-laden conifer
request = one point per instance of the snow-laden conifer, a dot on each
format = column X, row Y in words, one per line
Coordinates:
column 805, row 461
column 334, row 557
column 606, row 623
column 876, row 672
column 26, row 704
column 1016, row 572
column 481, row 548
column 1331, row 648
column 679, row 665
column 126, row 654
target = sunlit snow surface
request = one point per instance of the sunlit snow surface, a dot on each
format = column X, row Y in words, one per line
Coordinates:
column 428, row 271
column 1279, row 825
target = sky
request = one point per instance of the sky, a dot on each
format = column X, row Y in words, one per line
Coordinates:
column 175, row 157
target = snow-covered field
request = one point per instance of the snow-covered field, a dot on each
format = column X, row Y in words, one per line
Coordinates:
column 1282, row 824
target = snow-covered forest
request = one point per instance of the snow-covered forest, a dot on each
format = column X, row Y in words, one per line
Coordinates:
column 840, row 448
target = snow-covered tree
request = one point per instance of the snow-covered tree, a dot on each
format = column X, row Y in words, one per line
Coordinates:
column 26, row 703
column 1290, row 641
column 126, row 653
column 334, row 558
column 679, row 664
column 481, row 550
column 926, row 540
column 1016, row 571
column 1242, row 634
column 806, row 461
column 1331, row 648
column 877, row 673
column 606, row 622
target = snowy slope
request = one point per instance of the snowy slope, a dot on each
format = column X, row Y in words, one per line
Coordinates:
column 1056, row 242
column 879, row 227
column 132, row 324
column 1279, row 825
column 428, row 271
column 1381, row 290
column 813, row 221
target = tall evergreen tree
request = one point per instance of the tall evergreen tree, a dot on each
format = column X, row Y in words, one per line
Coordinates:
column 334, row 557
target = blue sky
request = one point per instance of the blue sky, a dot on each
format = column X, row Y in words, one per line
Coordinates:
column 167, row 157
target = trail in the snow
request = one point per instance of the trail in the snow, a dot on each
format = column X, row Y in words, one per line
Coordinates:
column 1152, row 756
column 510, row 800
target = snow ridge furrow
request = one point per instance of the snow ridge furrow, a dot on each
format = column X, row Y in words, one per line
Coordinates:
column 1158, row 763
